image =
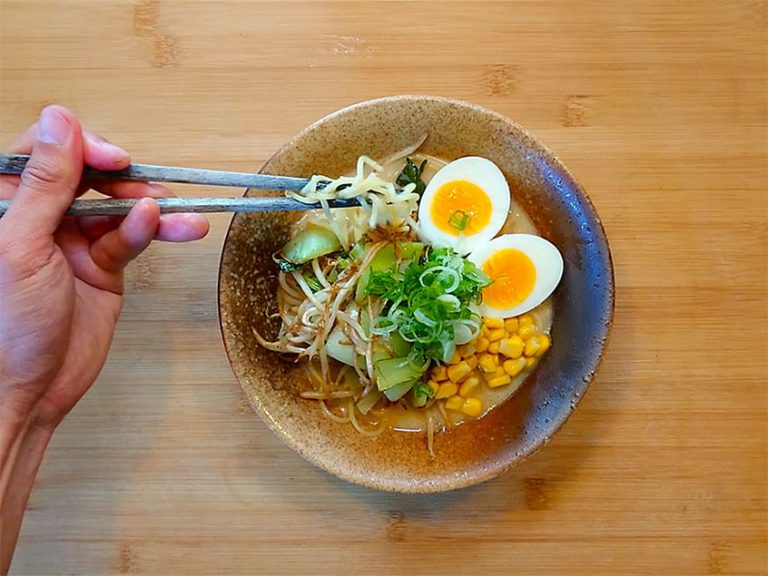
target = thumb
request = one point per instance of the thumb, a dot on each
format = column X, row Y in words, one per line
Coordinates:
column 51, row 177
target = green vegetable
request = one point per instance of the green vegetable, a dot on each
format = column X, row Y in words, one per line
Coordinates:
column 399, row 346
column 411, row 174
column 357, row 251
column 421, row 392
column 284, row 265
column 396, row 392
column 429, row 302
column 312, row 281
column 340, row 348
column 387, row 259
column 335, row 265
column 312, row 242
column 368, row 401
column 381, row 351
column 460, row 220
column 393, row 372
column 352, row 381
column 392, row 253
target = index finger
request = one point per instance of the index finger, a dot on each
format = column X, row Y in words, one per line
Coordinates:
column 97, row 151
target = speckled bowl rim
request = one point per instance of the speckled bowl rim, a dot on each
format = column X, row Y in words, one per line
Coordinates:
column 501, row 465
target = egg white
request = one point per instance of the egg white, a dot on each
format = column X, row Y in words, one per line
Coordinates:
column 485, row 175
column 546, row 259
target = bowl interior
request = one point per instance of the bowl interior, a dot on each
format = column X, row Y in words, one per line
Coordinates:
column 583, row 302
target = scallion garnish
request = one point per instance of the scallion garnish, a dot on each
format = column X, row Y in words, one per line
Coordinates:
column 428, row 300
column 460, row 220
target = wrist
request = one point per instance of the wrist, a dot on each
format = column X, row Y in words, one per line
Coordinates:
column 17, row 403
column 21, row 429
column 24, row 441
column 20, row 413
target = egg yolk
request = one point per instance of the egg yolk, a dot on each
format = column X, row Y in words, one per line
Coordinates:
column 461, row 207
column 513, row 274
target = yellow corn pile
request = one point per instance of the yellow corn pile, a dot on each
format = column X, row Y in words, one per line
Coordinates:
column 502, row 351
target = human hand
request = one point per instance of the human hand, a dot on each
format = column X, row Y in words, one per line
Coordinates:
column 61, row 279
column 61, row 290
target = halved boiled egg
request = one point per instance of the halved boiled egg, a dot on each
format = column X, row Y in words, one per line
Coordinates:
column 525, row 270
column 464, row 205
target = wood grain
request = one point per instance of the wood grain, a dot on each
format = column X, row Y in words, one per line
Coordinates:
column 659, row 108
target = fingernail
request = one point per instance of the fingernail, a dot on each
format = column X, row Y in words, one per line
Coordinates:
column 53, row 127
column 112, row 149
column 156, row 191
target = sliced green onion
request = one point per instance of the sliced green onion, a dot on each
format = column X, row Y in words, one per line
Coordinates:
column 460, row 220
column 462, row 333
column 431, row 302
column 452, row 303
column 454, row 276
column 382, row 326
column 417, row 361
column 423, row 318
column 449, row 349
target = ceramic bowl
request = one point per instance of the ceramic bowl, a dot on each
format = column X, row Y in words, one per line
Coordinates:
column 583, row 302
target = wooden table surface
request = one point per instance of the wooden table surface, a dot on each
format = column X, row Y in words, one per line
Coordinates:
column 659, row 108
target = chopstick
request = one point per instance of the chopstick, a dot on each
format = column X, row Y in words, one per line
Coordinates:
column 121, row 206
column 15, row 163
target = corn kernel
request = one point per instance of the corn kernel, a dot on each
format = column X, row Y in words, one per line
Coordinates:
column 439, row 373
column 527, row 331
column 481, row 344
column 493, row 348
column 530, row 363
column 496, row 334
column 493, row 323
column 544, row 344
column 532, row 345
column 434, row 385
column 488, row 363
column 512, row 347
column 497, row 381
column 454, row 403
column 526, row 320
column 467, row 350
column 469, row 386
column 455, row 359
column 457, row 372
column 472, row 361
column 446, row 390
column 472, row 407
column 511, row 325
column 498, row 372
column 514, row 367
